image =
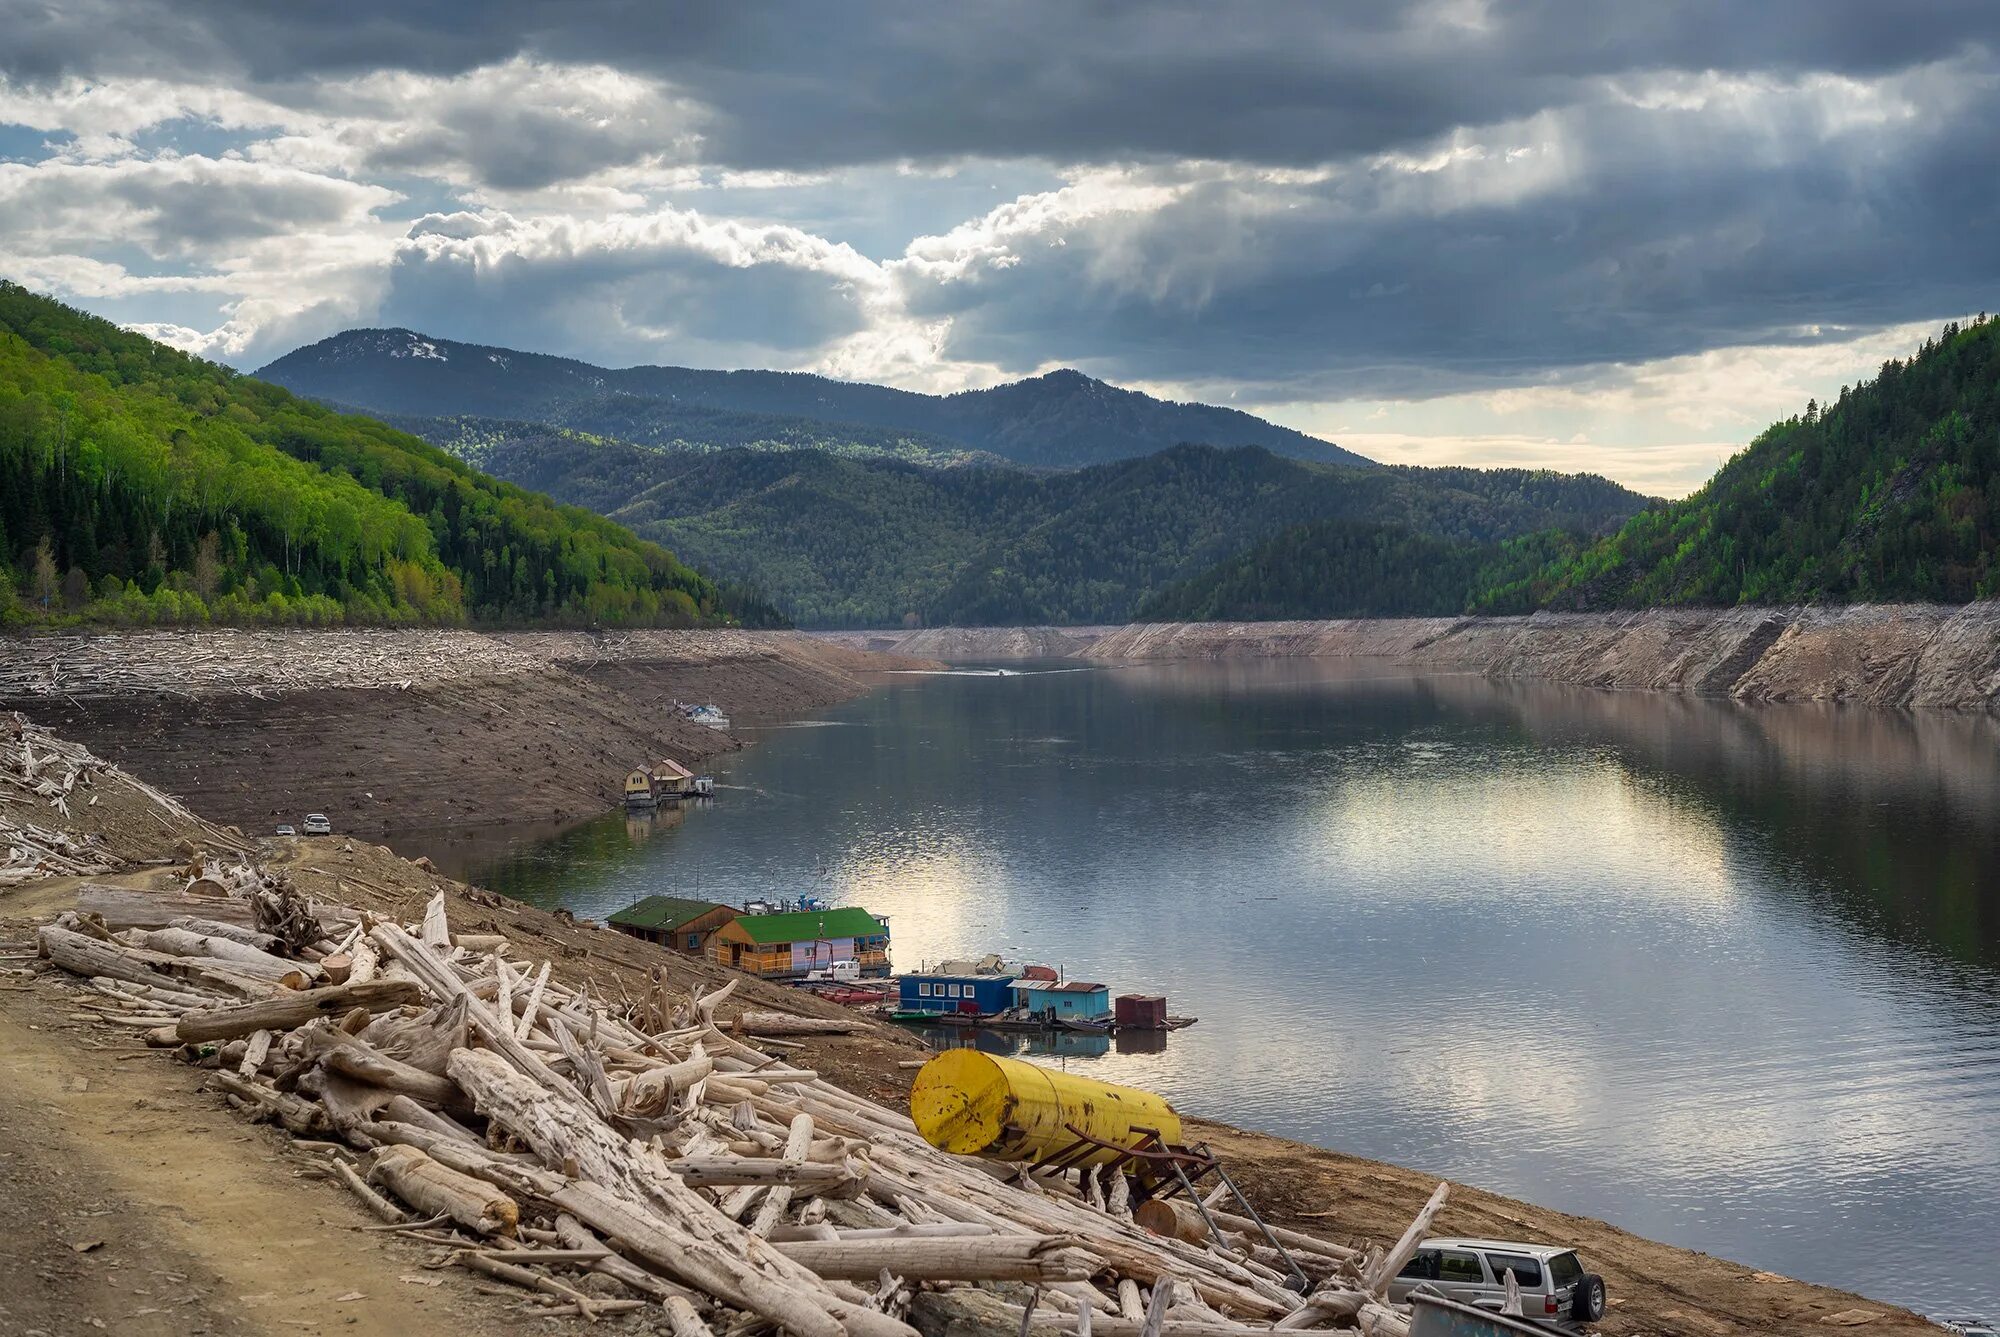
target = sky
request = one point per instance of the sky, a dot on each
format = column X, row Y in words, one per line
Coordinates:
column 1615, row 238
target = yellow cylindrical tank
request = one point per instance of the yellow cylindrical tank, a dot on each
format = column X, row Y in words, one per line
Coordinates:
column 974, row 1104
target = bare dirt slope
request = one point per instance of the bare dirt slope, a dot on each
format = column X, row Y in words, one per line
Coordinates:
column 390, row 730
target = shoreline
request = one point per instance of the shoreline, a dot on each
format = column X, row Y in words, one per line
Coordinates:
column 1657, row 1288
column 396, row 730
column 1898, row 656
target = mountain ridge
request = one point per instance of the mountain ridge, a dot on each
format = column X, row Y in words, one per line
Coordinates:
column 1059, row 419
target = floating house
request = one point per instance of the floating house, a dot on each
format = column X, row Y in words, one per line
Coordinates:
column 671, row 779
column 683, row 925
column 980, row 994
column 1074, row 1000
column 639, row 789
column 789, row 945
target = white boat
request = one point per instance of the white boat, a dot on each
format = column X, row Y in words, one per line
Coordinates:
column 711, row 716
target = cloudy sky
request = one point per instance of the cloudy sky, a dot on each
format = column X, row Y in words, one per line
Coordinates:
column 1608, row 237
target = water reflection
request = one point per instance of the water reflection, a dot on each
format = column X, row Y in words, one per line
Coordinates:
column 1723, row 975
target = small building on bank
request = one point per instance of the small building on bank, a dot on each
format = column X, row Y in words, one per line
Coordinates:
column 1073, row 1000
column 671, row 779
column 639, row 789
column 683, row 925
column 980, row 994
column 795, row 943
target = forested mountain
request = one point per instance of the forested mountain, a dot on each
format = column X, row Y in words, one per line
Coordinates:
column 138, row 483
column 1347, row 568
column 1892, row 492
column 1061, row 420
column 869, row 542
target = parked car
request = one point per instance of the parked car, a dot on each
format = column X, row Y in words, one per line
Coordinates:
column 317, row 825
column 1472, row 1271
column 286, row 830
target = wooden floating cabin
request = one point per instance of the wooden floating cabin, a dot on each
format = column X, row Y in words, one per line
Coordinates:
column 793, row 944
column 672, row 921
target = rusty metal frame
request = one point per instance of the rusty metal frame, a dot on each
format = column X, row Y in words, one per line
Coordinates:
column 1154, row 1159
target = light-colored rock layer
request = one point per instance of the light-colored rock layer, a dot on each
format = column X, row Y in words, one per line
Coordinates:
column 1921, row 655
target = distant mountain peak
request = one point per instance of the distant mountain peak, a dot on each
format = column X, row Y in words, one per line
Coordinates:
column 1061, row 419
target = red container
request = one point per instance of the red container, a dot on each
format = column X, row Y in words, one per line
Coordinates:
column 1140, row 1012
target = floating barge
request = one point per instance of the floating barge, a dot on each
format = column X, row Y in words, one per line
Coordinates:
column 1032, row 1000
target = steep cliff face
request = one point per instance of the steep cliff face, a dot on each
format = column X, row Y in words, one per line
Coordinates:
column 1917, row 655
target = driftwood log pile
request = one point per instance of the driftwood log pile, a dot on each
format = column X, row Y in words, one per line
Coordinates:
column 607, row 1159
column 46, row 786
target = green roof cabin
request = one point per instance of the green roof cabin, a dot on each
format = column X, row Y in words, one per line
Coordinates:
column 683, row 925
column 786, row 946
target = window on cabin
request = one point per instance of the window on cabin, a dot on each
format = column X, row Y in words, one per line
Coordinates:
column 923, row 991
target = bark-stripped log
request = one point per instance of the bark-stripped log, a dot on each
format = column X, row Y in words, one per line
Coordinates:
column 295, row 1010
column 439, row 1190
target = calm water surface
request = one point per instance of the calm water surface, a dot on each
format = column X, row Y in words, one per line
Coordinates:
column 1724, row 976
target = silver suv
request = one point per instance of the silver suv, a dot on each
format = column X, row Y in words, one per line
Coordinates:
column 317, row 825
column 1553, row 1284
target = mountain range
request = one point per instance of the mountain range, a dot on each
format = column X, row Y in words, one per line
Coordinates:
column 919, row 508
column 1062, row 420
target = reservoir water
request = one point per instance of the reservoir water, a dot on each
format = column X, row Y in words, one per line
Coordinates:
column 1725, row 976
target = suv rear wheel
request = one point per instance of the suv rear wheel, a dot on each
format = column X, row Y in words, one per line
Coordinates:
column 1586, row 1304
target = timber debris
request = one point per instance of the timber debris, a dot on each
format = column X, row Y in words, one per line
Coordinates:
column 607, row 1158
column 47, row 784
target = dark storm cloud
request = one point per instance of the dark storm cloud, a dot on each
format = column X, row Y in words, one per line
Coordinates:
column 812, row 85
column 1358, row 199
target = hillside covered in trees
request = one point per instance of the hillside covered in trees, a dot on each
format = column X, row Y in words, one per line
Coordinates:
column 139, row 484
column 1890, row 493
column 845, row 541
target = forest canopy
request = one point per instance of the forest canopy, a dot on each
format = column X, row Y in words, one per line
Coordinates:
column 139, row 484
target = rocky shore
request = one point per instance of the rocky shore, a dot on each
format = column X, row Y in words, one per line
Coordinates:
column 1924, row 656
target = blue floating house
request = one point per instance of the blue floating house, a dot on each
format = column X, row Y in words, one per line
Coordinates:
column 982, row 994
column 1077, row 1000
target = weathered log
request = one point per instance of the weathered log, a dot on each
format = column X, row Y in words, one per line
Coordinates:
column 138, row 907
column 784, row 1023
column 653, row 1215
column 336, row 967
column 254, row 1053
column 247, row 960
column 438, row 1190
column 294, row 1010
column 995, row 1258
column 249, row 937
column 346, row 1054
column 573, row 1234
column 300, row 1117
column 1376, row 1279
column 772, row 1209
column 1172, row 1217
column 727, row 1171
column 1291, row 1239
column 83, row 955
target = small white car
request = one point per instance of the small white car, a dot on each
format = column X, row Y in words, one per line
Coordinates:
column 286, row 830
column 1554, row 1286
column 317, row 825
